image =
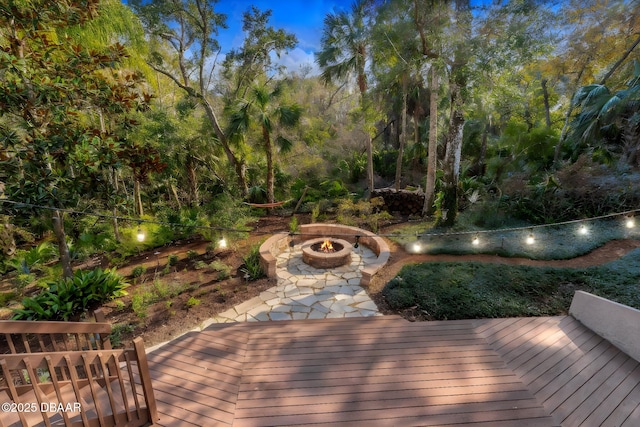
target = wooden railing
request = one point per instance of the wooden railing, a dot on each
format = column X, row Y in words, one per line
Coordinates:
column 55, row 373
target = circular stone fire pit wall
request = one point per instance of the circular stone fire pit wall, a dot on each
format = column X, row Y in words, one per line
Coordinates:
column 313, row 256
column 279, row 243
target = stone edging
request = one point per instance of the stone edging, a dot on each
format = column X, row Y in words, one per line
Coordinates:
column 278, row 243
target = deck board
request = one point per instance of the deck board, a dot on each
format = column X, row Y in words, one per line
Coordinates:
column 385, row 371
column 580, row 378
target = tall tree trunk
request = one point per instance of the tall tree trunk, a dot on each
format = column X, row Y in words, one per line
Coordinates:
column 137, row 197
column 231, row 157
column 620, row 61
column 63, row 249
column 482, row 167
column 545, row 95
column 116, row 228
column 174, row 193
column 369, row 143
column 269, row 153
column 432, row 160
column 452, row 162
column 192, row 178
column 403, row 132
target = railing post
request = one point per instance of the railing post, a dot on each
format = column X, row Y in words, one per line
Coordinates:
column 145, row 379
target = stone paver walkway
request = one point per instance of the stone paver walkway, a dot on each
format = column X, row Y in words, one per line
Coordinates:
column 305, row 292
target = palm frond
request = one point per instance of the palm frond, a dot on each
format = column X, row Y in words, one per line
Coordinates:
column 284, row 144
column 289, row 115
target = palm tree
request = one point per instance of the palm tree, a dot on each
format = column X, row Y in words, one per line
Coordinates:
column 610, row 116
column 344, row 45
column 263, row 109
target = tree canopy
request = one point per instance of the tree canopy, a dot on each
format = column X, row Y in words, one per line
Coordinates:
column 450, row 96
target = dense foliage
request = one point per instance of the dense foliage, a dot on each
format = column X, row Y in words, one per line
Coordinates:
column 65, row 299
column 504, row 103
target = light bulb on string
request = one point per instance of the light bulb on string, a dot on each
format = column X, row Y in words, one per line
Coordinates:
column 630, row 222
column 583, row 230
column 416, row 246
column 531, row 239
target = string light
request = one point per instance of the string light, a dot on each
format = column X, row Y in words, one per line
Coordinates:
column 630, row 222
column 531, row 239
column 583, row 229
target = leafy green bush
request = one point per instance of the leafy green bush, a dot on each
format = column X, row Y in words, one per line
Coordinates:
column 24, row 261
column 139, row 271
column 192, row 302
column 200, row 265
column 172, row 259
column 224, row 270
column 363, row 213
column 252, row 267
column 117, row 331
column 66, row 298
column 6, row 297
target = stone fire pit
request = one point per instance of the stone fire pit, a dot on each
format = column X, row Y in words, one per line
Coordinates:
column 313, row 255
column 281, row 242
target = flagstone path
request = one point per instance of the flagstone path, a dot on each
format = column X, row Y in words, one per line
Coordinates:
column 305, row 292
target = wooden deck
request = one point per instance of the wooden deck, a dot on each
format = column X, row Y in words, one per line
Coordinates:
column 385, row 371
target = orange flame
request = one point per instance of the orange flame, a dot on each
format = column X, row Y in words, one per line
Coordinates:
column 326, row 246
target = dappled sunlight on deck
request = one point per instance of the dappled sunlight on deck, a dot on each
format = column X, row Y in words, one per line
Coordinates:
column 386, row 371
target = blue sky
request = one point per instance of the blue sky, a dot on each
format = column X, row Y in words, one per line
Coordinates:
column 303, row 18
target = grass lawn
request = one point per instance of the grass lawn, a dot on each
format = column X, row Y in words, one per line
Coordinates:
column 455, row 290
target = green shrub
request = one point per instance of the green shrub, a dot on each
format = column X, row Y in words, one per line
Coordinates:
column 293, row 225
column 191, row 254
column 224, row 270
column 192, row 302
column 252, row 268
column 139, row 305
column 21, row 281
column 139, row 271
column 172, row 259
column 200, row 265
column 66, row 298
column 7, row 297
column 117, row 331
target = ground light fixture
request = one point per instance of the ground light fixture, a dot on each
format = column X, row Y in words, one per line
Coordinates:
column 140, row 234
column 476, row 240
column 222, row 243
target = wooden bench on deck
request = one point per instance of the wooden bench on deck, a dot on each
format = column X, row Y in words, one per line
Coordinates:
column 66, row 373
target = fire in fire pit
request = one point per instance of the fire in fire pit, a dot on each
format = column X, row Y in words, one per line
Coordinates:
column 326, row 253
column 327, row 247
